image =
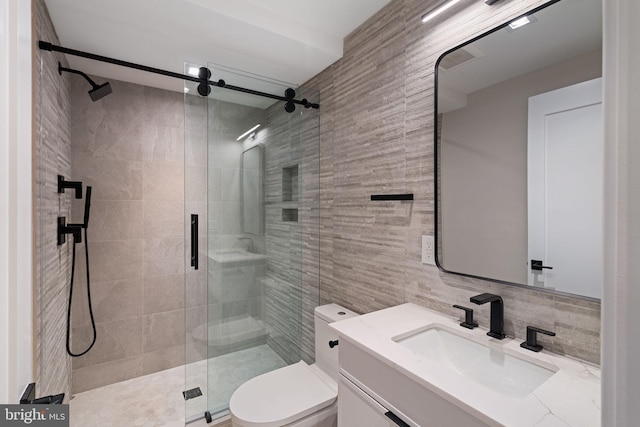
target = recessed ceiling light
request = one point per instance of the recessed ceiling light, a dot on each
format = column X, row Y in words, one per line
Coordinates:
column 520, row 22
column 186, row 90
column 194, row 71
column 248, row 132
column 438, row 10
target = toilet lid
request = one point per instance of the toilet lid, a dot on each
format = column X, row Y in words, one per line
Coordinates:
column 280, row 397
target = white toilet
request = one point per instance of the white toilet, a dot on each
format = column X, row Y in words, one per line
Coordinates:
column 298, row 395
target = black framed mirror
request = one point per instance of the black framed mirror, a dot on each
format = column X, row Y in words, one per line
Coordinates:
column 519, row 152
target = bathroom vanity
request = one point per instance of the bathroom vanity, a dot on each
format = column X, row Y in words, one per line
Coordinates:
column 411, row 366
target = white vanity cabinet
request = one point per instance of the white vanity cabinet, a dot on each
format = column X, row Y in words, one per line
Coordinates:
column 370, row 388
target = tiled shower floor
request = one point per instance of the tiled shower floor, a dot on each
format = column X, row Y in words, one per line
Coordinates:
column 156, row 400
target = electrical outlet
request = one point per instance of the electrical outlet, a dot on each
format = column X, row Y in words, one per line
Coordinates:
column 428, row 250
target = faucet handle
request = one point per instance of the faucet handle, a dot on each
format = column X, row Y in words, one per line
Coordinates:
column 468, row 323
column 532, row 338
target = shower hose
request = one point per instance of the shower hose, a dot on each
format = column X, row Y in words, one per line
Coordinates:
column 73, row 270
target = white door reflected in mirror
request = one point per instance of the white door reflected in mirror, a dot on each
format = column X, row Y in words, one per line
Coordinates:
column 565, row 188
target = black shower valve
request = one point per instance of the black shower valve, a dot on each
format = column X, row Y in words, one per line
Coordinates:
column 64, row 229
column 74, row 185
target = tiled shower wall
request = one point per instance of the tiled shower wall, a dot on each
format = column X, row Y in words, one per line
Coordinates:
column 291, row 286
column 129, row 146
column 53, row 157
column 377, row 137
column 310, row 220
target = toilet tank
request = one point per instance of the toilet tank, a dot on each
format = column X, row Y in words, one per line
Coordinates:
column 327, row 357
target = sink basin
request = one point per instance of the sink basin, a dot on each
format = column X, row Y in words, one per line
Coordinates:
column 493, row 368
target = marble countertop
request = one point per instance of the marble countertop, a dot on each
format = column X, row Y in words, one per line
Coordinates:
column 570, row 397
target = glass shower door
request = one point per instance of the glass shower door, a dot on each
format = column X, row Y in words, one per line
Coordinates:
column 195, row 158
column 246, row 299
column 243, row 338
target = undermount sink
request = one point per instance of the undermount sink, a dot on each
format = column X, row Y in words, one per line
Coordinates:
column 434, row 372
column 493, row 368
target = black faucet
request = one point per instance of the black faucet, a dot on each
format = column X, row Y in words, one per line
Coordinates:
column 496, row 328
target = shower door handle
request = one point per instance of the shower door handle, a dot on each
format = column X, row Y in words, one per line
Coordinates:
column 194, row 241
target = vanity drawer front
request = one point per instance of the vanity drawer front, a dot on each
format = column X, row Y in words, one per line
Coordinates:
column 356, row 408
column 387, row 385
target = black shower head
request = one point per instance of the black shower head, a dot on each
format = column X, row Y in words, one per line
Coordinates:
column 100, row 91
column 97, row 91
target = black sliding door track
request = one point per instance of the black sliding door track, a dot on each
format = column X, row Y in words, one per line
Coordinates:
column 220, row 83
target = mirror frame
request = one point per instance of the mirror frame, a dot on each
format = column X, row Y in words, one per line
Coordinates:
column 437, row 167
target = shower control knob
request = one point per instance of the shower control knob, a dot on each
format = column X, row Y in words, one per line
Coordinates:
column 333, row 343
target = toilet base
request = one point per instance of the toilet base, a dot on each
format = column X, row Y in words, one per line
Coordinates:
column 327, row 417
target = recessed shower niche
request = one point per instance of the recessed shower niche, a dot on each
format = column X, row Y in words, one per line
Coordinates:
column 290, row 184
column 290, row 215
column 290, row 191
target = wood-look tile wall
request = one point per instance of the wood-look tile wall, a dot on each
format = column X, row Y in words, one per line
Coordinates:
column 52, row 157
column 310, row 221
column 291, row 285
column 377, row 137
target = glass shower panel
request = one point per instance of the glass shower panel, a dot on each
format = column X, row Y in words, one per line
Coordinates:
column 252, row 180
column 255, row 248
column 195, row 138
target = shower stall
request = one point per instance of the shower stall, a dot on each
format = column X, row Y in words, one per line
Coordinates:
column 204, row 238
column 251, row 221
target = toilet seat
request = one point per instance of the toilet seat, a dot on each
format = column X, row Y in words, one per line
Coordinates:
column 282, row 396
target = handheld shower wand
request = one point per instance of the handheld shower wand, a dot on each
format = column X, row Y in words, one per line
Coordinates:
column 77, row 239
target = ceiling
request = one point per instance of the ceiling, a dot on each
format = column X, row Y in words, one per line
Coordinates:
column 287, row 40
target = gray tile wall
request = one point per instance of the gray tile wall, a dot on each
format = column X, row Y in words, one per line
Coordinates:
column 291, row 286
column 310, row 220
column 283, row 297
column 377, row 137
column 129, row 146
column 53, row 157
